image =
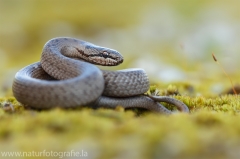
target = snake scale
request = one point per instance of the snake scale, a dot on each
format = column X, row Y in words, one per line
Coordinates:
column 66, row 77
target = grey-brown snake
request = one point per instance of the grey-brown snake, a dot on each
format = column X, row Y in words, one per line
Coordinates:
column 65, row 77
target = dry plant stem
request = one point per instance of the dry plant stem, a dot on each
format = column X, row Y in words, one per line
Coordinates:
column 215, row 59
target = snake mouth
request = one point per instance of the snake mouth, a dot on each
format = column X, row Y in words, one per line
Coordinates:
column 104, row 58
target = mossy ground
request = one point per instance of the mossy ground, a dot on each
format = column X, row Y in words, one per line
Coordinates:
column 211, row 130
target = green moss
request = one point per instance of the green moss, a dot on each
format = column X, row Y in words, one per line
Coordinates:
column 211, row 130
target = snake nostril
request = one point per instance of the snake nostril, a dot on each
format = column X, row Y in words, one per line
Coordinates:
column 120, row 60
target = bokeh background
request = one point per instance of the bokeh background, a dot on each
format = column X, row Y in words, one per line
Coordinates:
column 172, row 40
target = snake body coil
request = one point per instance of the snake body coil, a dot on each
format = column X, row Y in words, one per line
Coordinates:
column 64, row 78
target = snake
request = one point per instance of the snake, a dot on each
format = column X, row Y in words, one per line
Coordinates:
column 67, row 76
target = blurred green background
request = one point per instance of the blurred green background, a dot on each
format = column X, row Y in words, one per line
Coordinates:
column 172, row 40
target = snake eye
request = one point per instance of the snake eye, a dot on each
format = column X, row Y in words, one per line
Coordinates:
column 105, row 54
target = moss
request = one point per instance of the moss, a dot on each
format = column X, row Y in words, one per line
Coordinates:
column 211, row 130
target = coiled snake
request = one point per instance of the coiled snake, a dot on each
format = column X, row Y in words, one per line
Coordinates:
column 65, row 78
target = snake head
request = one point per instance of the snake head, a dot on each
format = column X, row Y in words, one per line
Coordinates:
column 94, row 54
column 112, row 57
column 102, row 56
